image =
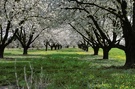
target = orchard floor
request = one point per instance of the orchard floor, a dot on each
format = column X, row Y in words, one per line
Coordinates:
column 65, row 69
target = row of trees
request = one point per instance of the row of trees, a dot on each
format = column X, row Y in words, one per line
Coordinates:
column 105, row 24
column 100, row 25
column 25, row 20
column 48, row 38
column 34, row 21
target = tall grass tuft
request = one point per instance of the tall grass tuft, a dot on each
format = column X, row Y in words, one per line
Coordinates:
column 32, row 80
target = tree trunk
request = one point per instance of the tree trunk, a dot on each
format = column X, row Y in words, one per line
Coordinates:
column 129, row 35
column 67, row 46
column 46, row 47
column 51, row 47
column 58, row 47
column 106, row 53
column 130, row 54
column 130, row 59
column 86, row 48
column 96, row 49
column 2, row 52
column 25, row 50
column 55, row 47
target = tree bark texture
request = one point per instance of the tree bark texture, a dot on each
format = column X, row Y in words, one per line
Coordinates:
column 130, row 52
column 2, row 52
column 25, row 50
column 106, row 52
column 96, row 49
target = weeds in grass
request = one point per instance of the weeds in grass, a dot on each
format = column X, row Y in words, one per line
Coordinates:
column 32, row 81
column 16, row 76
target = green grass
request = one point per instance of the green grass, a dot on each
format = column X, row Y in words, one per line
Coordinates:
column 67, row 69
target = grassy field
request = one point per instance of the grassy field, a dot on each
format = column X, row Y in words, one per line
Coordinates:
column 65, row 69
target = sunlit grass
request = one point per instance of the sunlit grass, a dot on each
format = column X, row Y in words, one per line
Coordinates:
column 118, row 54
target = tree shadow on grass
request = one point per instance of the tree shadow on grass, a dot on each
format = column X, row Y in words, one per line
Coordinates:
column 109, row 64
column 13, row 57
column 10, row 54
column 66, row 56
column 91, row 58
column 118, row 67
column 114, row 67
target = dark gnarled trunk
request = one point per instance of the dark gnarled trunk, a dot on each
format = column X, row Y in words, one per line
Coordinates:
column 46, row 46
column 55, row 47
column 130, row 52
column 25, row 50
column 106, row 52
column 96, row 49
column 51, row 47
column 130, row 58
column 2, row 52
column 129, row 35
